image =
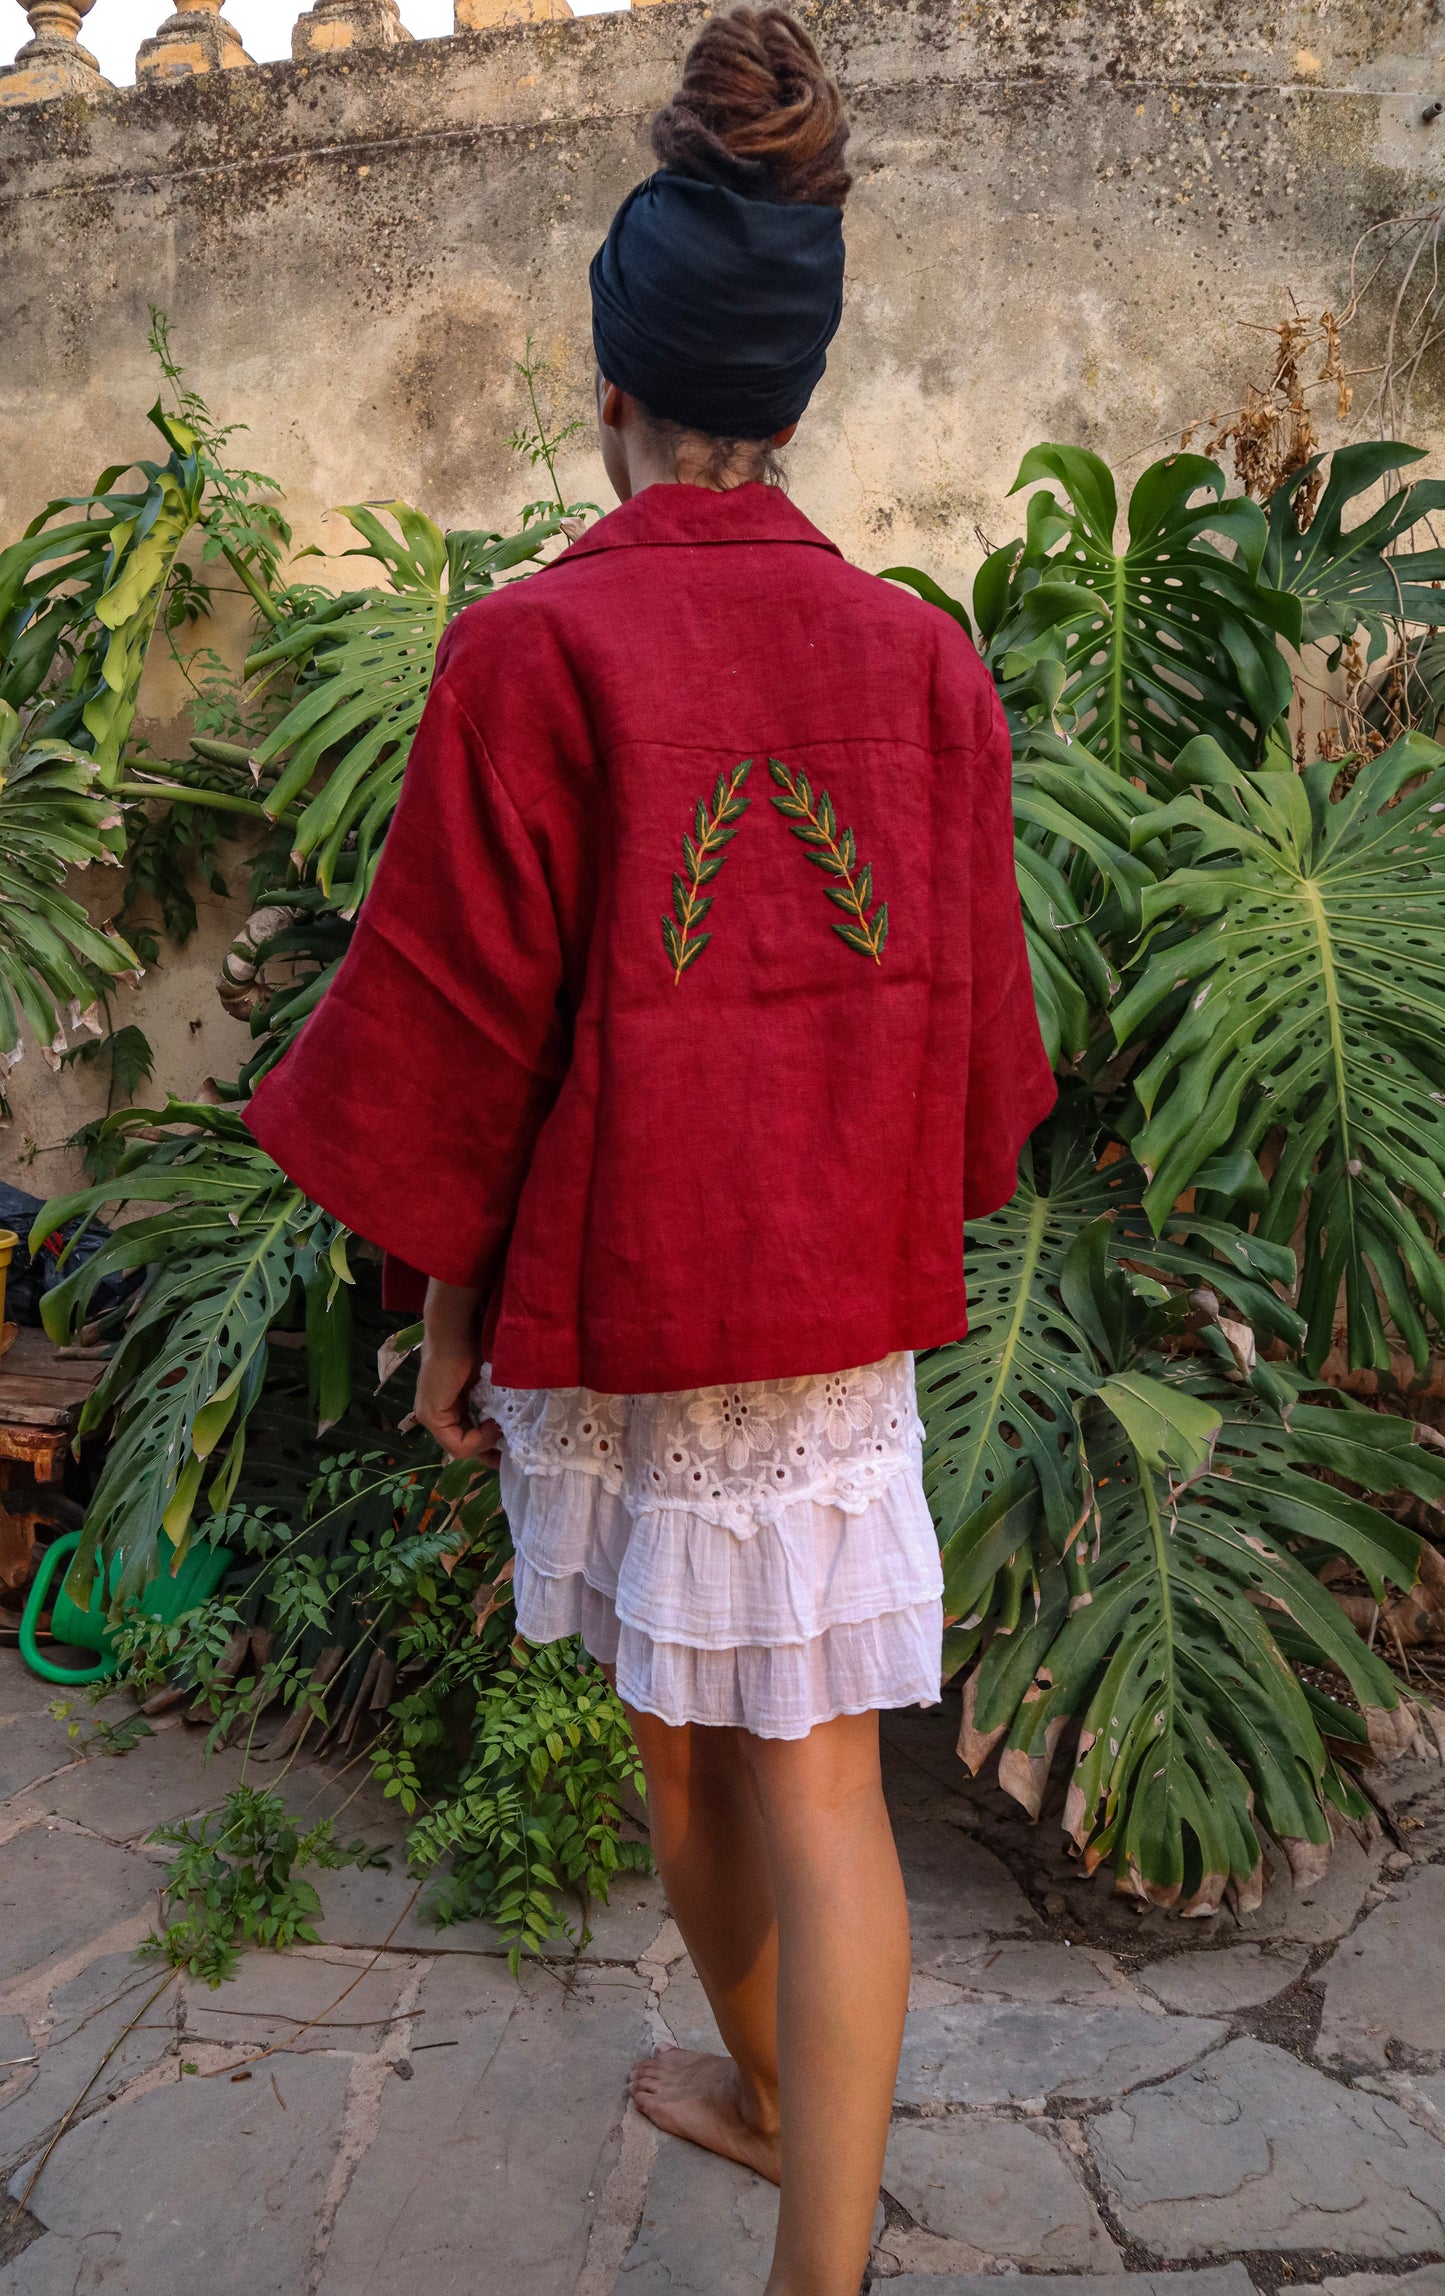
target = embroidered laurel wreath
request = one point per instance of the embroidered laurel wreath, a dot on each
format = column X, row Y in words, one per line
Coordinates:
column 814, row 821
column 703, row 855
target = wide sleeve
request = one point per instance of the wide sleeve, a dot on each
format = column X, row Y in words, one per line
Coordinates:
column 411, row 1103
column 1010, row 1085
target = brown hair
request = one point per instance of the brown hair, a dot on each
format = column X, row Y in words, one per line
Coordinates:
column 757, row 112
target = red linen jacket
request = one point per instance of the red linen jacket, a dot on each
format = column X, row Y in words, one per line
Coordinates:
column 678, row 1144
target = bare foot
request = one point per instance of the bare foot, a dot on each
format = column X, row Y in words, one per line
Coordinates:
column 693, row 2095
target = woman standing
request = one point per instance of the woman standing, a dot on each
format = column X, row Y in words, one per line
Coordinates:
column 688, row 1017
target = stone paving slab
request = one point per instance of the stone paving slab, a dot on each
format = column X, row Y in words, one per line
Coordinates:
column 1421, row 2094
column 31, row 1746
column 1383, row 1983
column 21, row 1692
column 273, row 1995
column 496, row 2148
column 483, row 2144
column 1002, row 2189
column 90, row 2013
column 1214, row 2280
column 958, row 1892
column 707, row 2228
column 1252, row 2149
column 62, row 1888
column 1033, row 1970
column 1413, row 1792
column 1427, row 2280
column 125, row 1797
column 367, row 1906
column 1217, row 1984
column 1021, row 2053
column 196, row 2185
column 686, row 2011
column 1324, row 1909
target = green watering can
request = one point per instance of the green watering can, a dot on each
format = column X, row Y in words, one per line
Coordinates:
column 71, row 1620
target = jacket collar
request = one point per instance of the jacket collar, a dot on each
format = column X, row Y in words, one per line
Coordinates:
column 689, row 515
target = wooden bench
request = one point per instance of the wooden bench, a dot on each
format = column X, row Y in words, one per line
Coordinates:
column 42, row 1392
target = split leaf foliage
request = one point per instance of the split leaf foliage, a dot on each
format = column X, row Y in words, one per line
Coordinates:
column 1239, row 969
column 1243, row 966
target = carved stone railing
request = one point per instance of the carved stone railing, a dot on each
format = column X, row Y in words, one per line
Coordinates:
column 198, row 37
column 52, row 61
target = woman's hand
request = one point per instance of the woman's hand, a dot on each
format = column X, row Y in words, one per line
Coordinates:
column 451, row 1358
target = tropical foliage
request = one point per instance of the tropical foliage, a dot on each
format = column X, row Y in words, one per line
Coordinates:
column 1240, row 959
column 1144, row 1496
column 238, row 1397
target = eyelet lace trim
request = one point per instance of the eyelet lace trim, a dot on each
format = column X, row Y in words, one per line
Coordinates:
column 732, row 1456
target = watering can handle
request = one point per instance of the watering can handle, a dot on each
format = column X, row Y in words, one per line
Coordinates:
column 69, row 1676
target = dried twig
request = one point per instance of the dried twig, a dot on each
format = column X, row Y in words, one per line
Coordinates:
column 68, row 2116
column 280, row 2048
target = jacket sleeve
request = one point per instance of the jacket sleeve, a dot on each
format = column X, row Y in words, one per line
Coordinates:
column 410, row 1105
column 1010, row 1085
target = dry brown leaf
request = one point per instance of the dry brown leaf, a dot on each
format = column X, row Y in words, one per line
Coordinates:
column 975, row 1746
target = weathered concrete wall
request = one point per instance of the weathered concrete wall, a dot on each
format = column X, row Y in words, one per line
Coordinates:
column 1064, row 213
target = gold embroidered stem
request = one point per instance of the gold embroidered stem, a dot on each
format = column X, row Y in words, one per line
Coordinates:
column 835, row 852
column 703, row 857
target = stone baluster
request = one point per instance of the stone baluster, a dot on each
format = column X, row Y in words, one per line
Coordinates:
column 481, row 15
column 335, row 25
column 197, row 38
column 52, row 62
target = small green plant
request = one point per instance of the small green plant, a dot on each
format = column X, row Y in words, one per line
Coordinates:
column 236, row 1876
column 537, row 443
column 538, row 1807
column 102, row 1737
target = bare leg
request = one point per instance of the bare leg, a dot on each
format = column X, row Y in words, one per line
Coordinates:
column 842, row 1994
column 711, row 1850
column 812, row 1849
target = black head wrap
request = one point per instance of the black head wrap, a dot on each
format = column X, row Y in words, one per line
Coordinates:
column 715, row 309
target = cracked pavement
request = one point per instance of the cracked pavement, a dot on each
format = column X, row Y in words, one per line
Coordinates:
column 1206, row 2107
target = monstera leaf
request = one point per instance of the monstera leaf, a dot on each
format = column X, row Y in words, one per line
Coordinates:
column 223, row 1260
column 309, row 948
column 51, row 819
column 88, row 590
column 1183, row 638
column 1177, row 1664
column 366, row 660
column 1344, row 580
column 1301, row 966
column 1065, row 1284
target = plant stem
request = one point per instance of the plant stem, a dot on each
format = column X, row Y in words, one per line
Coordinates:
column 218, row 800
column 220, row 752
column 543, row 442
column 265, row 604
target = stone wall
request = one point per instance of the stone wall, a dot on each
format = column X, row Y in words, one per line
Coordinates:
column 1066, row 220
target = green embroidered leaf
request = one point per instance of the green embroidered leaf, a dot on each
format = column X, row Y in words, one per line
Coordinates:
column 834, row 851
column 855, row 939
column 703, row 857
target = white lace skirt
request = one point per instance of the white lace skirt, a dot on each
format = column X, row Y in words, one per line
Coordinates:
column 761, row 1556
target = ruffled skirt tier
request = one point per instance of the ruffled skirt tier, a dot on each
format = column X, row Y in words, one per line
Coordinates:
column 759, row 1557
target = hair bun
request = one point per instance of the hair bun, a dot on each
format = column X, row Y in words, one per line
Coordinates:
column 757, row 113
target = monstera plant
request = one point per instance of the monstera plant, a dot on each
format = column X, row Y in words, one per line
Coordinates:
column 1243, row 964
column 1143, row 1496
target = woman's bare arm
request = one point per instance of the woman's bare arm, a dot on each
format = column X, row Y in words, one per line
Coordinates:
column 451, row 1358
